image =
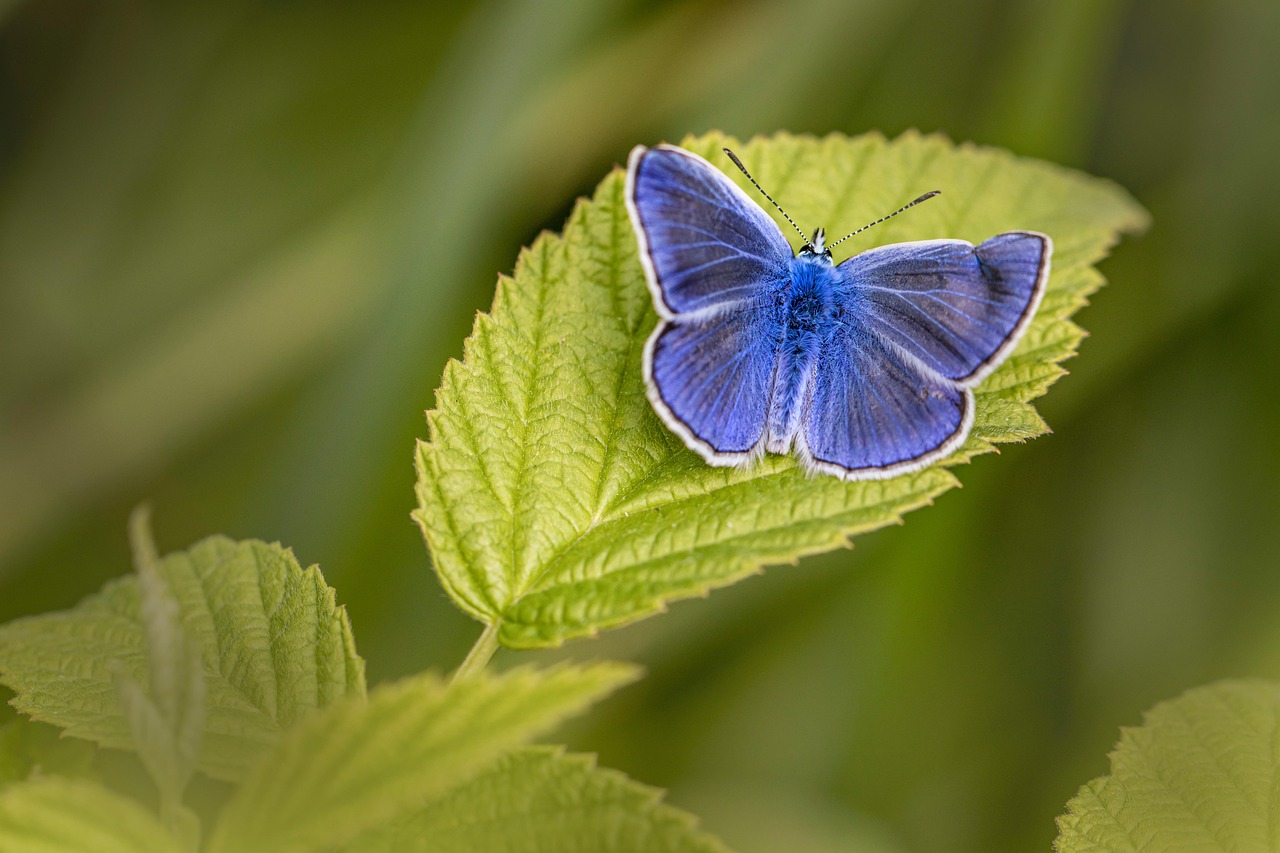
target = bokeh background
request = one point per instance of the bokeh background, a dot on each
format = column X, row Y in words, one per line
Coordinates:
column 238, row 242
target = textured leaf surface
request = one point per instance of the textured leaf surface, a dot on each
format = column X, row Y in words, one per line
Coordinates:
column 554, row 501
column 66, row 816
column 359, row 765
column 539, row 800
column 1199, row 774
column 274, row 645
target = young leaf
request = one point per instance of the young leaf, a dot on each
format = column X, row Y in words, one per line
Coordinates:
column 161, row 624
column 359, row 765
column 167, row 720
column 554, row 501
column 1199, row 774
column 54, row 815
column 169, row 764
column 539, row 800
column 274, row 647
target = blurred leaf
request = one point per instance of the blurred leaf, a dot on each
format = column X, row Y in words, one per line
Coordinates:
column 61, row 815
column 1047, row 87
column 556, row 504
column 193, row 220
column 30, row 749
column 785, row 815
column 359, row 765
column 1199, row 774
column 539, row 800
column 275, row 646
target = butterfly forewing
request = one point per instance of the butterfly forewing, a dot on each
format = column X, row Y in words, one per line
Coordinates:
column 704, row 243
column 956, row 307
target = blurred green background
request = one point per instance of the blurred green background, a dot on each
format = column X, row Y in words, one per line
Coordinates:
column 239, row 241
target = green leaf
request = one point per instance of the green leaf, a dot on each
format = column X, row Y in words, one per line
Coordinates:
column 1199, row 774
column 274, row 644
column 539, row 800
column 55, row 815
column 554, row 501
column 359, row 765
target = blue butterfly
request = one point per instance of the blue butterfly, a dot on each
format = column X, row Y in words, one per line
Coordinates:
column 864, row 369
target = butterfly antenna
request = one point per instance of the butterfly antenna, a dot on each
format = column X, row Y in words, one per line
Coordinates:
column 924, row 197
column 738, row 163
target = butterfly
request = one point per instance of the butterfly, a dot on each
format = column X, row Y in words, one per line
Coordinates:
column 864, row 369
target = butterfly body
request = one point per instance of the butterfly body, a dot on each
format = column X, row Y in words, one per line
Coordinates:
column 809, row 310
column 864, row 369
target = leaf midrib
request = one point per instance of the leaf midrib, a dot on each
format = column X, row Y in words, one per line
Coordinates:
column 527, row 404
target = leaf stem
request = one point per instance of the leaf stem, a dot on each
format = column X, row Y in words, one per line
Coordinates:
column 181, row 821
column 480, row 654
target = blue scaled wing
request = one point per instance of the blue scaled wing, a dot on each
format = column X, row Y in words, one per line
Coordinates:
column 957, row 308
column 714, row 262
column 872, row 413
column 709, row 376
column 703, row 243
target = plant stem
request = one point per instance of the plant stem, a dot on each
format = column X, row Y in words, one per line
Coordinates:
column 480, row 654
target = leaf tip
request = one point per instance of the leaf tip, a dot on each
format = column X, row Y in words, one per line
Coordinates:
column 141, row 541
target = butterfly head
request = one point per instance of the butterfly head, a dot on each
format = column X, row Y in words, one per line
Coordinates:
column 818, row 245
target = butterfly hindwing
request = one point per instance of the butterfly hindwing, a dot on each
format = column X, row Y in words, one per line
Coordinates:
column 710, row 376
column 957, row 308
column 702, row 241
column 872, row 413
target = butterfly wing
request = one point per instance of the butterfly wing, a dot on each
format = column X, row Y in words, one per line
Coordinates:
column 872, row 413
column 703, row 242
column 709, row 376
column 957, row 308
column 713, row 260
column 921, row 324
